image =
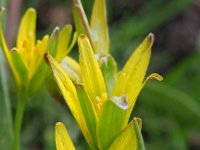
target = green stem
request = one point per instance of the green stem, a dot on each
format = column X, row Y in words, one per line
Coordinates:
column 18, row 122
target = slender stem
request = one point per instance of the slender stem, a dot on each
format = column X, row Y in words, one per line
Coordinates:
column 18, row 122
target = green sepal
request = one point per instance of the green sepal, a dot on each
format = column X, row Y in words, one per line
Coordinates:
column 53, row 42
column 80, row 19
column 110, row 124
column 63, row 42
column 109, row 70
column 39, row 77
column 20, row 67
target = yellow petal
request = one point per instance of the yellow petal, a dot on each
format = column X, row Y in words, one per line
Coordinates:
column 91, row 73
column 130, row 138
column 70, row 95
column 27, row 29
column 72, row 68
column 99, row 28
column 132, row 75
column 126, row 140
column 6, row 51
column 63, row 140
column 136, row 92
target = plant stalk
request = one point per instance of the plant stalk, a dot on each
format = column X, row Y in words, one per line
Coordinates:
column 18, row 122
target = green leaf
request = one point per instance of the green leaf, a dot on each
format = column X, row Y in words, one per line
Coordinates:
column 109, row 70
column 111, row 123
column 130, row 138
column 88, row 111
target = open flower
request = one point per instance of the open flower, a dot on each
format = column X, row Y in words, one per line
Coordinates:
column 104, row 99
column 26, row 59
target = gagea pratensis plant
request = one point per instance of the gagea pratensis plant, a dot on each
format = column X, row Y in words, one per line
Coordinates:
column 26, row 59
column 102, row 99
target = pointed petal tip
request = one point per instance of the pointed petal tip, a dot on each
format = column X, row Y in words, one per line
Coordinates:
column 151, row 37
column 82, row 37
column 55, row 32
column 138, row 121
column 59, row 124
column 155, row 76
column 31, row 10
column 14, row 49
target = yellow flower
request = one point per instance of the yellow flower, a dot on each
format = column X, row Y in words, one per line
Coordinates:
column 26, row 59
column 103, row 100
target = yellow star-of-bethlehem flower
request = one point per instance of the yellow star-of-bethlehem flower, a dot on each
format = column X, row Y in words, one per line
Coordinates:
column 103, row 99
column 26, row 59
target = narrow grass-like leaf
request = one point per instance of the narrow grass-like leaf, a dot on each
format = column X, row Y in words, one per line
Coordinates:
column 88, row 111
column 111, row 119
column 91, row 73
column 6, row 126
column 62, row 138
column 99, row 28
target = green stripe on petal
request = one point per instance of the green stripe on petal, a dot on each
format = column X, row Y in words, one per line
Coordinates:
column 62, row 138
column 91, row 73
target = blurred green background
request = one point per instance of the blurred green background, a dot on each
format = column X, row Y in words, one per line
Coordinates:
column 170, row 109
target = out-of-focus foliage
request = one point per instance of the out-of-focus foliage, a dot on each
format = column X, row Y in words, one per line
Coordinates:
column 169, row 110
